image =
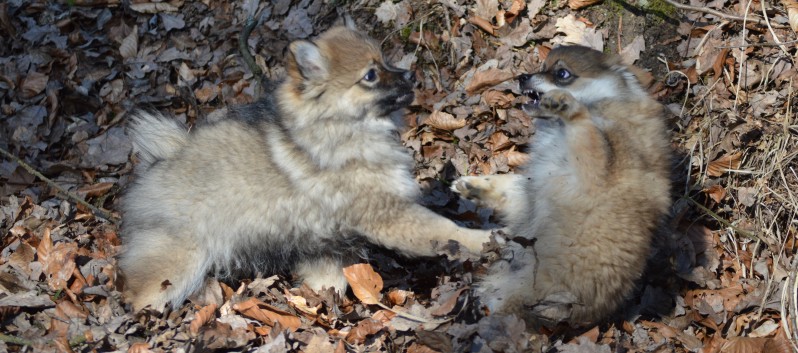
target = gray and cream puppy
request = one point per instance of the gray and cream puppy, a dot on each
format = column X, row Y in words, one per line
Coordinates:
column 293, row 182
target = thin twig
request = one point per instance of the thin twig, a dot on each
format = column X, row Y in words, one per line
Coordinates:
column 412, row 317
column 714, row 12
column 770, row 28
column 768, row 44
column 15, row 340
column 69, row 195
column 726, row 223
column 243, row 49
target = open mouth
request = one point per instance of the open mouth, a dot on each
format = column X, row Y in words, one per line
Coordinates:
column 534, row 99
column 395, row 102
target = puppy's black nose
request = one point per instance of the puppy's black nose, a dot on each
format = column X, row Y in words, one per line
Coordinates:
column 524, row 77
column 409, row 76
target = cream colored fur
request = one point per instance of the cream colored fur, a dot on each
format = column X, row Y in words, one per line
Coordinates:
column 294, row 182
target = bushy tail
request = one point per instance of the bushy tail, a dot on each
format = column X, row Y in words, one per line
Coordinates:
column 155, row 137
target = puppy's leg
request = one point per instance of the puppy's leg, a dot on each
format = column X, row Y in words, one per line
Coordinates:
column 588, row 147
column 161, row 270
column 504, row 193
column 410, row 228
column 321, row 273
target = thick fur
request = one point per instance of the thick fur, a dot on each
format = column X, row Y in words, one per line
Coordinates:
column 594, row 191
column 293, row 182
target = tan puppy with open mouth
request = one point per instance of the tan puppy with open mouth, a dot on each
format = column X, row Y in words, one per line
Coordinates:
column 589, row 200
column 293, row 183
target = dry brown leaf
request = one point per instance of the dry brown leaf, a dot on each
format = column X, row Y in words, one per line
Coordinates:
column 446, row 306
column 300, row 303
column 207, row 93
column 139, row 347
column 482, row 23
column 444, row 121
column 631, row 52
column 487, row 78
column 398, row 296
column 420, row 348
column 267, row 314
column 792, row 13
column 515, row 8
column 130, row 45
column 95, row 190
column 725, row 163
column 499, row 141
column 33, row 84
column 363, row 329
column 202, row 317
column 498, row 99
column 744, row 345
column 365, row 283
column 319, row 344
column 57, row 260
column 779, row 343
column 67, row 310
column 578, row 4
column 153, row 7
column 577, row 32
column 716, row 192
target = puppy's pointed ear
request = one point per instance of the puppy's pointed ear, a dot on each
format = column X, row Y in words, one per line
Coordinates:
column 310, row 62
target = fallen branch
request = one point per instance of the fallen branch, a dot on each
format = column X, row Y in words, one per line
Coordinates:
column 63, row 192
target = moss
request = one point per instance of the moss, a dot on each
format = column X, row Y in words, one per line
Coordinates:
column 661, row 8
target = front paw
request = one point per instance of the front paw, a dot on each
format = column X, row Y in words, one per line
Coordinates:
column 474, row 188
column 562, row 104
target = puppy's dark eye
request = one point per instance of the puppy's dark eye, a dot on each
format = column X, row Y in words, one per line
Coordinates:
column 370, row 76
column 562, row 74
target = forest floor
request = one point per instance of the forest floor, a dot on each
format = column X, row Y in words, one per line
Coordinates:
column 721, row 278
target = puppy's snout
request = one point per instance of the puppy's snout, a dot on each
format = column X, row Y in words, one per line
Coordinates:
column 523, row 78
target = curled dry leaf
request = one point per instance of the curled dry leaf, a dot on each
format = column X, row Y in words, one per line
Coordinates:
column 300, row 303
column 498, row 99
column 515, row 8
column 724, row 164
column 716, row 192
column 744, row 345
column 398, row 296
column 482, row 23
column 487, row 78
column 95, row 190
column 363, row 329
column 792, row 13
column 578, row 4
column 203, row 316
column 446, row 302
column 365, row 283
column 444, row 121
column 33, row 84
column 499, row 141
column 139, row 347
column 153, row 7
column 267, row 314
column 130, row 45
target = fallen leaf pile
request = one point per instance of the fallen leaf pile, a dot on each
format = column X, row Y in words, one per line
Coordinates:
column 721, row 278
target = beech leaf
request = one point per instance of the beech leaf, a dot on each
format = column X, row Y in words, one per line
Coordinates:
column 365, row 283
